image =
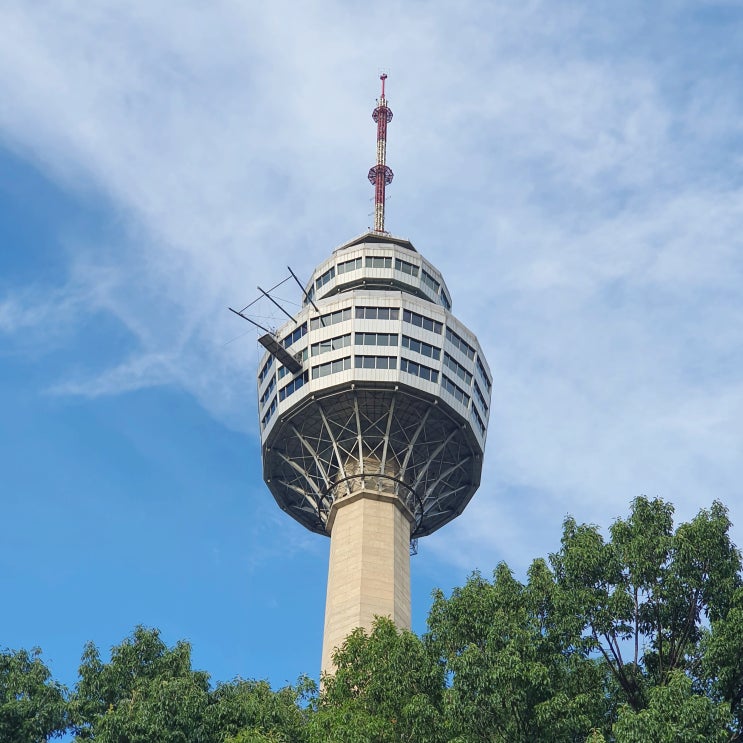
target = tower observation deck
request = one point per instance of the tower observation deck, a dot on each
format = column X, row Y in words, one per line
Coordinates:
column 373, row 410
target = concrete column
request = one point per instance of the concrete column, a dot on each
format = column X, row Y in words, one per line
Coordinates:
column 369, row 570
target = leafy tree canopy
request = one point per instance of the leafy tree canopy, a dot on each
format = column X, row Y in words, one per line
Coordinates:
column 32, row 705
column 635, row 636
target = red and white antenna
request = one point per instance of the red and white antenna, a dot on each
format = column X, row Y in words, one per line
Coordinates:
column 380, row 175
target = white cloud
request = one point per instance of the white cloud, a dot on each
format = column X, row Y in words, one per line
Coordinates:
column 580, row 195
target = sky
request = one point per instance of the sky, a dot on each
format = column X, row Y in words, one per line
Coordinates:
column 572, row 168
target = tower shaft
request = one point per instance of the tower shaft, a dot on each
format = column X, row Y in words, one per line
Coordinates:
column 369, row 568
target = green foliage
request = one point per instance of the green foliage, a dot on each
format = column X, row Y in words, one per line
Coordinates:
column 387, row 687
column 639, row 600
column 32, row 705
column 722, row 659
column 515, row 678
column 634, row 638
column 250, row 711
column 146, row 693
column 674, row 715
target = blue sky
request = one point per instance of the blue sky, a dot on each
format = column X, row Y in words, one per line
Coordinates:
column 574, row 170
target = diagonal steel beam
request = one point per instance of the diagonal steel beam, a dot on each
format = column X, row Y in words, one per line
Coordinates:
column 333, row 440
column 433, row 455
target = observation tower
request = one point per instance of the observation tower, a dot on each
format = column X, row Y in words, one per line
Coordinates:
column 373, row 405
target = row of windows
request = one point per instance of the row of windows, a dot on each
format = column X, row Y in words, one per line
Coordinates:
column 361, row 339
column 484, row 375
column 420, row 321
column 424, row 372
column 476, row 417
column 458, row 369
column 429, row 281
column 374, row 313
column 332, row 367
column 271, row 387
column 376, row 339
column 271, row 410
column 378, row 261
column 352, row 265
column 295, row 335
column 375, row 362
column 420, row 347
column 331, row 318
column 360, row 362
column 373, row 261
column 455, row 390
column 409, row 268
column 266, row 368
column 460, row 343
column 377, row 313
column 480, row 397
column 324, row 278
column 331, row 344
column 293, row 386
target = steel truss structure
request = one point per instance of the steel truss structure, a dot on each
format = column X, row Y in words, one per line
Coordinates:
column 392, row 439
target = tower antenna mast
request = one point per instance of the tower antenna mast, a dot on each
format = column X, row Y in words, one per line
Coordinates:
column 380, row 175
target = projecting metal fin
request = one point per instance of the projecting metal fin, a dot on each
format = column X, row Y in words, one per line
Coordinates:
column 280, row 353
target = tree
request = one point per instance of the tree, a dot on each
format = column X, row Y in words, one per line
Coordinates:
column 674, row 715
column 251, row 711
column 722, row 660
column 32, row 705
column 515, row 676
column 146, row 693
column 387, row 687
column 640, row 599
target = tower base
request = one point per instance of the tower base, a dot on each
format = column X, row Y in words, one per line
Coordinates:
column 369, row 567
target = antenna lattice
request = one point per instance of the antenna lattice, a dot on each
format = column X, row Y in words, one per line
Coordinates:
column 380, row 175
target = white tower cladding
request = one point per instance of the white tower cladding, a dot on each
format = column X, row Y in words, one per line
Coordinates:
column 374, row 406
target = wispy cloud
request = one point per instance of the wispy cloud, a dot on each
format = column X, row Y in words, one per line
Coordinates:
column 575, row 175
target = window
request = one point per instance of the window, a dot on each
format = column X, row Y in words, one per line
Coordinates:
column 352, row 265
column 293, row 386
column 419, row 370
column 457, row 368
column 376, row 339
column 377, row 313
column 330, row 319
column 331, row 344
column 378, row 261
column 480, row 397
column 295, row 335
column 324, row 278
column 455, row 390
column 332, row 367
column 422, row 322
column 266, row 368
column 420, row 347
column 271, row 410
column 445, row 300
column 271, row 387
column 409, row 268
column 375, row 362
column 429, row 281
column 484, row 374
column 477, row 419
column 459, row 342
